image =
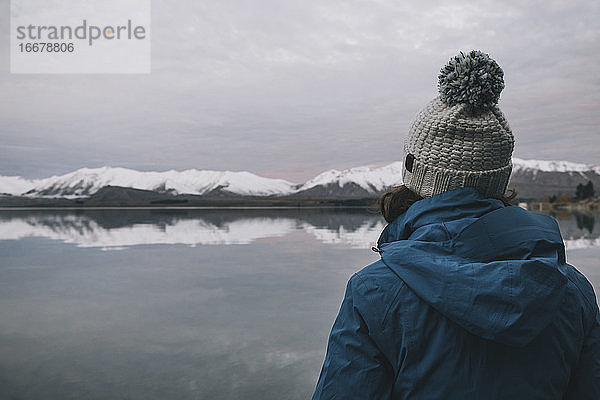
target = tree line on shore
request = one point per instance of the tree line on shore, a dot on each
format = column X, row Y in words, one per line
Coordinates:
column 582, row 192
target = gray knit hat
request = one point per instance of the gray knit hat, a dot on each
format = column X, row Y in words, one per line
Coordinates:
column 461, row 138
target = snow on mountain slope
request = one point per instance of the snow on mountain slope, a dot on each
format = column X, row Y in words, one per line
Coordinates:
column 552, row 166
column 536, row 179
column 16, row 185
column 377, row 179
column 371, row 179
column 87, row 181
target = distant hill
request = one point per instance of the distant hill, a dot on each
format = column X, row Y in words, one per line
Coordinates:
column 533, row 179
column 87, row 181
column 118, row 194
column 354, row 182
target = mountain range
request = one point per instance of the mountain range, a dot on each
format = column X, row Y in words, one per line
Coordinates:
column 531, row 178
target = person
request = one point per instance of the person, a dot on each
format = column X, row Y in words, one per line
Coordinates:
column 472, row 298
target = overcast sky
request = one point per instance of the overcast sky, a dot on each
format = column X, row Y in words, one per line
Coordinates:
column 290, row 88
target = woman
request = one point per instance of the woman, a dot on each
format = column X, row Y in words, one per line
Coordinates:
column 472, row 299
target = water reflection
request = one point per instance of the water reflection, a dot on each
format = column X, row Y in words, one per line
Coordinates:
column 585, row 222
column 578, row 229
column 119, row 229
column 198, row 320
column 171, row 322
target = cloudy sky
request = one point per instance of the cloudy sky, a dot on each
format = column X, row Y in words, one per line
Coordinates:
column 290, row 88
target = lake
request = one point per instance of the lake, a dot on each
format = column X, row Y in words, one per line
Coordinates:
column 186, row 304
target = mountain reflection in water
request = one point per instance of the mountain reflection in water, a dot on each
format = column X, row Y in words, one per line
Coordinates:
column 122, row 228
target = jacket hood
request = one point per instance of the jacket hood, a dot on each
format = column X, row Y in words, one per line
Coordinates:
column 489, row 268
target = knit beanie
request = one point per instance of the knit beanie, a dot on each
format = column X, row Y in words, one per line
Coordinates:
column 461, row 138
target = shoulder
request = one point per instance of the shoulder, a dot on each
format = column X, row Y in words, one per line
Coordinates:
column 375, row 289
column 376, row 276
column 583, row 289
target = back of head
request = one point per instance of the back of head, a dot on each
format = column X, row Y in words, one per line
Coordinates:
column 461, row 138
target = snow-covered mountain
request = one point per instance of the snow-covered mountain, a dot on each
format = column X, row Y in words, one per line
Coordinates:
column 536, row 179
column 531, row 178
column 87, row 181
column 353, row 182
column 553, row 166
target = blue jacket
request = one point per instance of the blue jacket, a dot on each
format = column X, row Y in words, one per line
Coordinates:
column 470, row 300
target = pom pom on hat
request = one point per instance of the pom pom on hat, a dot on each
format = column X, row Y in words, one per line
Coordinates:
column 473, row 78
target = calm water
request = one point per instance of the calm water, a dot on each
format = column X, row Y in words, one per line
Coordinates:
column 196, row 304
